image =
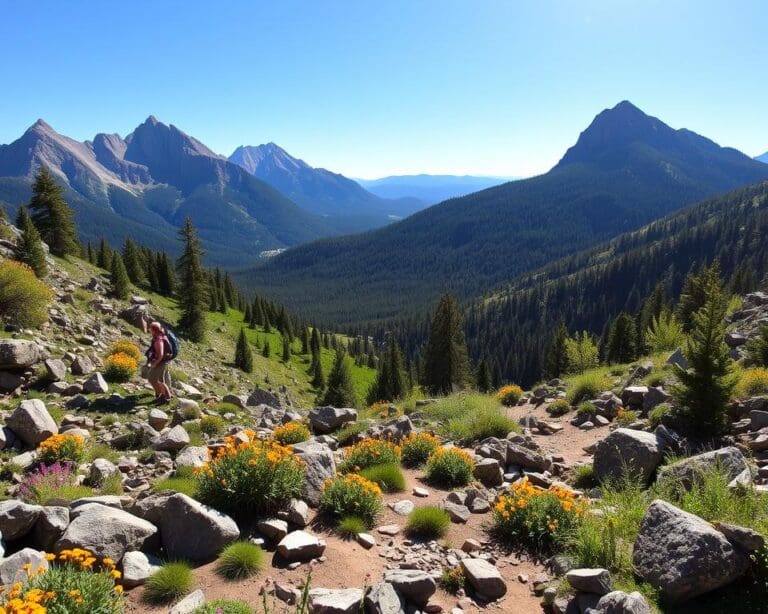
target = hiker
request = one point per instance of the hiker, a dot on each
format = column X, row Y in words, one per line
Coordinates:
column 158, row 355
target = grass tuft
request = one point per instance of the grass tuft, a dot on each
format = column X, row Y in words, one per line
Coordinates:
column 240, row 560
column 169, row 583
column 427, row 522
column 350, row 526
column 389, row 477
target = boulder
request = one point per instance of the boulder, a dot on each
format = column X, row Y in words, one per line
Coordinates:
column 758, row 419
column 172, row 440
column 19, row 353
column 628, row 450
column 192, row 456
column 137, row 567
column 743, row 537
column 383, row 599
column 96, row 384
column 484, row 578
column 619, row 602
column 298, row 513
column 236, row 400
column 9, row 381
column 413, row 585
column 682, row 555
column 300, row 546
column 189, row 604
column 193, row 531
column 263, row 397
column 105, row 531
column 335, row 600
column 31, row 422
column 656, row 395
column 17, row 518
column 458, row 512
column 100, row 470
column 525, row 458
column 327, row 419
column 12, row 568
column 730, row 460
column 320, row 465
column 597, row 581
column 158, row 419
column 273, row 529
column 489, row 472
column 50, row 526
column 82, row 365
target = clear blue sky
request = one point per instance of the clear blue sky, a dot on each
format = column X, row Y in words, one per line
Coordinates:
column 374, row 88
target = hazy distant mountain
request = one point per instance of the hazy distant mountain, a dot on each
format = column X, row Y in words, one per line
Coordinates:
column 144, row 185
column 625, row 170
column 763, row 158
column 343, row 201
column 430, row 188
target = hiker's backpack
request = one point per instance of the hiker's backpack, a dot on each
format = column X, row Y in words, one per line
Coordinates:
column 173, row 341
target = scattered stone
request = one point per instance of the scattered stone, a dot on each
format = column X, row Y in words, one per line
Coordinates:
column 96, row 384
column 328, row 419
column 171, row 441
column 273, row 529
column 489, row 472
column 101, row 469
column 31, row 422
column 319, row 466
column 12, row 568
column 299, row 546
column 366, row 540
column 412, row 585
column 471, row 545
column 686, row 472
column 50, row 526
column 403, row 507
column 637, row 451
column 18, row 353
column 458, row 513
column 82, row 365
column 137, row 567
column 158, row 419
column 298, row 513
column 189, row 604
column 389, row 529
column 192, row 456
column 619, row 602
column 420, row 492
column 597, row 581
column 484, row 578
column 191, row 530
column 335, row 601
column 17, row 518
column 383, row 599
column 745, row 538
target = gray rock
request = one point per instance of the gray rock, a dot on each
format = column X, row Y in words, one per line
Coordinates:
column 300, row 546
column 597, row 581
column 12, row 568
column 320, row 465
column 82, row 365
column 105, row 531
column 55, row 369
column 619, row 602
column 403, row 507
column 623, row 450
column 137, row 567
column 656, row 396
column 682, row 555
column 412, row 585
column 101, row 470
column 484, row 578
column 273, row 529
column 9, row 381
column 192, row 456
column 152, row 508
column 193, row 531
column 489, row 472
column 678, row 359
column 686, row 472
column 31, row 422
column 383, row 599
column 457, row 512
column 172, row 440
column 189, row 604
column 236, row 400
column 96, row 384
column 19, row 353
column 263, row 397
column 158, row 419
column 328, row 419
column 743, row 537
column 50, row 526
column 758, row 419
column 298, row 512
column 17, row 518
column 525, row 458
column 335, row 601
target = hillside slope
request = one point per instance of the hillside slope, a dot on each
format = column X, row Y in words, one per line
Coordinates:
column 431, row 189
column 626, row 170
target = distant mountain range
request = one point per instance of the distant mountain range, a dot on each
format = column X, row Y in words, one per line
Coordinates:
column 430, row 189
column 763, row 158
column 344, row 203
column 625, row 170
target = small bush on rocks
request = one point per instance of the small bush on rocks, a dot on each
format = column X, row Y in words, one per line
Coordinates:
column 625, row 417
column 659, row 414
column 62, row 447
column 350, row 526
column 586, row 386
column 452, row 579
column 120, row 367
column 558, row 407
column 211, row 425
column 169, row 583
column 509, row 395
column 389, row 477
column 370, row 452
column 24, row 299
column 427, row 522
column 417, row 448
column 293, row 432
column 127, row 347
column 348, row 434
column 351, row 495
column 586, row 410
column 584, row 476
column 450, row 467
column 240, row 560
column 251, row 477
column 752, row 382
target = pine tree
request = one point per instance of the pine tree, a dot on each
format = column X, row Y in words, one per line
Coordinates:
column 389, row 384
column 556, row 361
column 193, row 289
column 166, row 276
column 696, row 289
column 304, row 340
column 104, row 256
column 29, row 248
column 91, row 254
column 622, row 340
column 247, row 315
column 318, row 377
column 266, row 352
column 52, row 216
column 243, row 354
column 314, row 344
column 121, row 285
column 446, row 365
column 133, row 263
column 758, row 347
column 286, row 348
column 340, row 391
column 483, row 377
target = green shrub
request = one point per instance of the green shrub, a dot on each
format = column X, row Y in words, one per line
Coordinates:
column 584, row 476
column 350, row 432
column 427, row 522
column 586, row 410
column 350, row 526
column 293, row 432
column 240, row 560
column 450, row 467
column 178, row 375
column 452, row 580
column 558, row 407
column 189, row 412
column 481, row 425
column 211, row 425
column 509, row 395
column 389, row 477
column 224, row 606
column 659, row 414
column 24, row 299
column 586, row 386
column 351, row 495
column 752, row 382
column 169, row 583
column 256, row 478
column 417, row 448
column 370, row 452
column 625, row 417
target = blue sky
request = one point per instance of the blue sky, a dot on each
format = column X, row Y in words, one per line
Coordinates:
column 376, row 88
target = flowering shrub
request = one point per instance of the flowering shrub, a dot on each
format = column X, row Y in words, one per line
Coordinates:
column 418, row 447
column 371, row 452
column 351, row 495
column 450, row 467
column 251, row 476
column 382, row 409
column 452, row 579
column 49, row 482
column 24, row 298
column 120, row 367
column 625, row 417
column 62, row 447
column 211, row 425
column 75, row 583
column 752, row 382
column 293, row 432
column 540, row 517
column 125, row 346
column 509, row 395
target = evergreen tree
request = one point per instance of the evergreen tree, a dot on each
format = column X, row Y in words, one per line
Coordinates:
column 315, row 342
column 286, row 348
column 267, row 324
column 243, row 354
column 266, row 351
column 556, row 361
column 446, row 365
column 104, row 257
column 483, row 377
column 340, row 391
column 133, row 263
column 705, row 387
column 583, row 353
column 29, row 248
column 91, row 254
column 118, row 278
column 390, row 382
column 696, row 289
column 193, row 290
column 166, row 276
column 247, row 315
column 318, row 377
column 758, row 347
column 622, row 340
column 304, row 340
column 52, row 216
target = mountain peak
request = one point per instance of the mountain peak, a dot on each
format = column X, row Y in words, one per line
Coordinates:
column 41, row 127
